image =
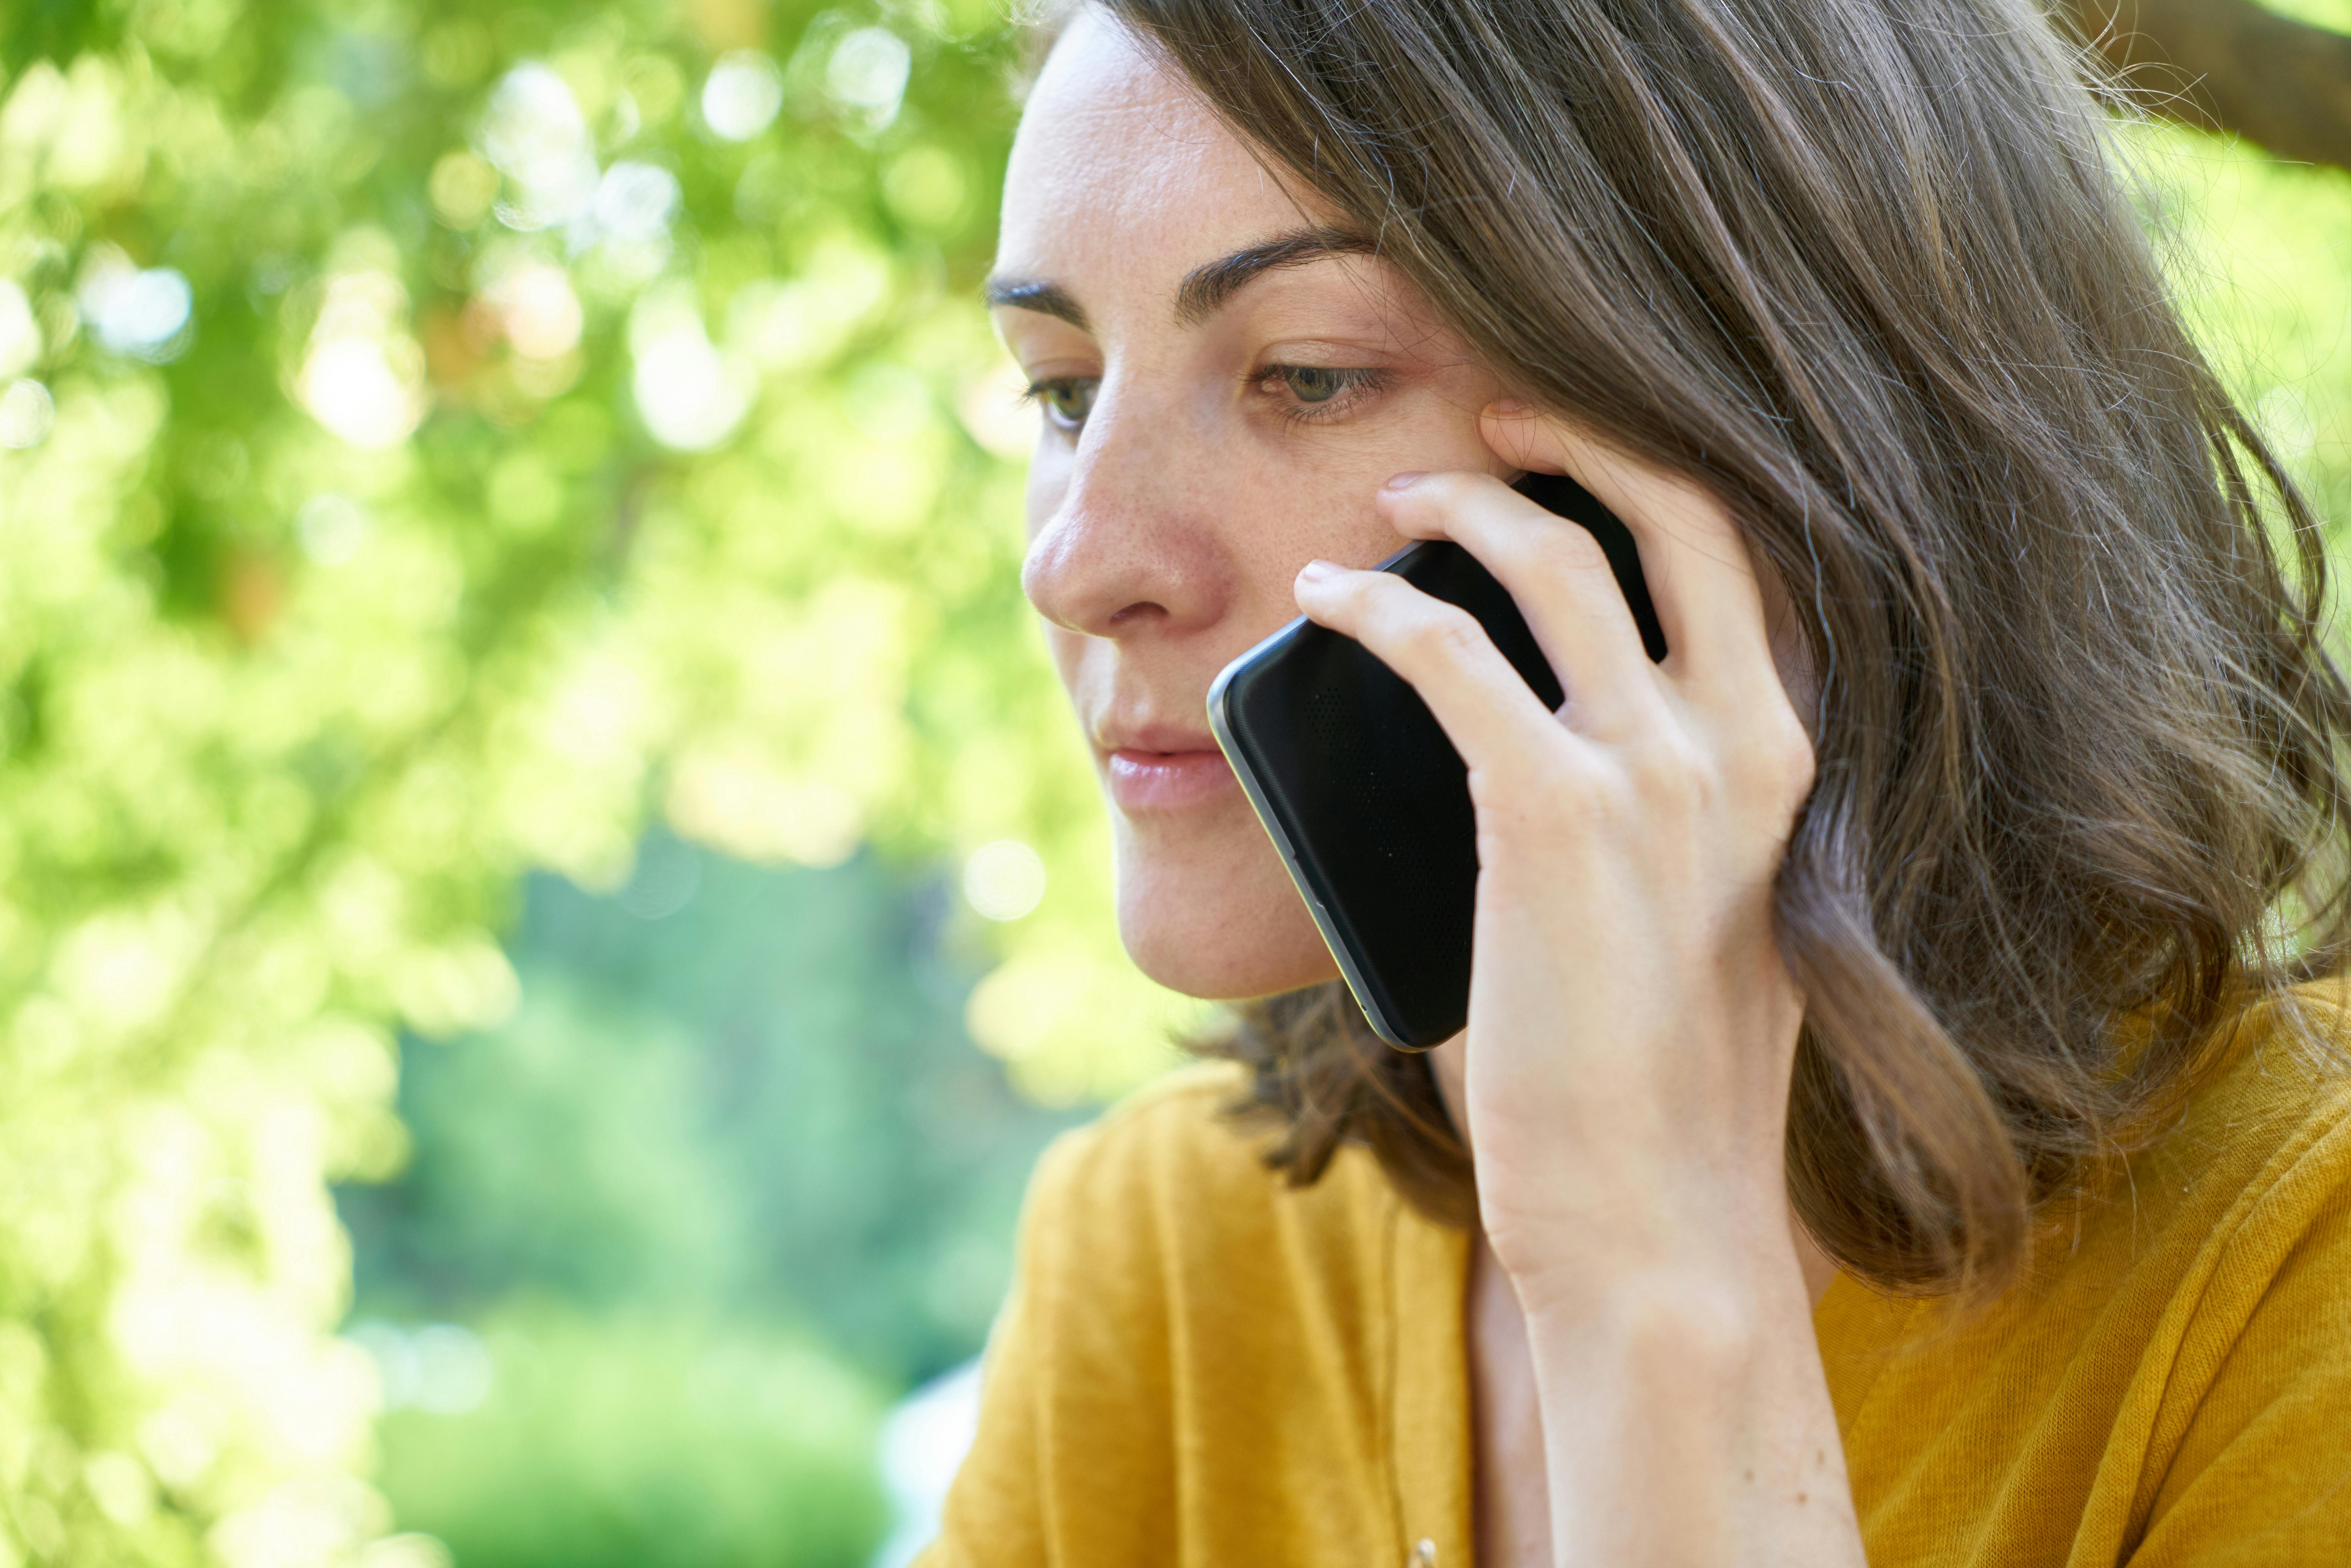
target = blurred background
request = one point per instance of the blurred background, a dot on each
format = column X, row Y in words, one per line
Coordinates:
column 546, row 898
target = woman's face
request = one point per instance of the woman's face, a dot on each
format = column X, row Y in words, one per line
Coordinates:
column 1224, row 382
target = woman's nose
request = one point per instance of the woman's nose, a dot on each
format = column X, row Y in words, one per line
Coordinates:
column 1129, row 545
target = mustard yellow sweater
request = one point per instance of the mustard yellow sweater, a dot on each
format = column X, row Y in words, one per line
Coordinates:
column 1201, row 1366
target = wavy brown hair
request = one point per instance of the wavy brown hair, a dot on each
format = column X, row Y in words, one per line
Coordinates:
column 1869, row 271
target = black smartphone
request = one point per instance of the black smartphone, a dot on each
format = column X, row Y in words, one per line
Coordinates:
column 1363, row 795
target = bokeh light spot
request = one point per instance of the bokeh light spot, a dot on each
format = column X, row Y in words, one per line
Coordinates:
column 441, row 1368
column 539, row 312
column 924, row 185
column 867, row 72
column 667, row 876
column 1004, row 881
column 747, row 809
column 634, row 202
column 453, row 1369
column 330, row 529
column 742, row 95
column 352, row 387
column 26, row 414
column 462, row 187
column 144, row 313
column 535, row 134
column 364, row 377
column 20, row 334
column 466, row 984
column 690, row 396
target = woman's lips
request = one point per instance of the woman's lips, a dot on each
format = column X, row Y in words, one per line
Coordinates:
column 1166, row 781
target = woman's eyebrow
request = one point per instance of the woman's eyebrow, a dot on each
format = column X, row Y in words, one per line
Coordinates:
column 1045, row 298
column 1207, row 288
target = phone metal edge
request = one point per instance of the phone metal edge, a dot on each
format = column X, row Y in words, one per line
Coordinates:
column 1218, row 691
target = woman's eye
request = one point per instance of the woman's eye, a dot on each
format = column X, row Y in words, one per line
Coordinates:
column 1067, row 400
column 1308, row 391
column 1313, row 383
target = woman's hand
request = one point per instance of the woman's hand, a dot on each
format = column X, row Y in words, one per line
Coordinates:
column 1632, row 1028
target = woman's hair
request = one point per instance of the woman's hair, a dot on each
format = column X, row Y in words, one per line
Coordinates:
column 1868, row 271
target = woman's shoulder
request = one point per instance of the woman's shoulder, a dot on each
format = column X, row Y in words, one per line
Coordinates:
column 2251, row 1152
column 1178, row 1129
column 1172, row 1184
column 2242, row 1174
column 1184, row 1109
column 1188, row 1150
column 1197, row 1350
column 2271, row 1098
column 2171, row 1370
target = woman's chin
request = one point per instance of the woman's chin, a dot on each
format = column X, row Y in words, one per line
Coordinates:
column 1221, row 944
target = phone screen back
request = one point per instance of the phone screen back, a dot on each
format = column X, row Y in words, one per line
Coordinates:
column 1364, row 795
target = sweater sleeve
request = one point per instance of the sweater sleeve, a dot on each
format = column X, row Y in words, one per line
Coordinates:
column 2264, row 1473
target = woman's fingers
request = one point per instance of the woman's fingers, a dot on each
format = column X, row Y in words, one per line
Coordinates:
column 1489, row 713
column 1700, row 576
column 1561, row 580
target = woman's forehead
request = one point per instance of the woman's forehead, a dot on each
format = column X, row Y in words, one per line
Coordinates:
column 1120, row 174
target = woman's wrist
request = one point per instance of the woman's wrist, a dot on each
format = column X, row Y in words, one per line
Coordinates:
column 1616, row 1233
column 1717, row 1308
column 1686, row 1418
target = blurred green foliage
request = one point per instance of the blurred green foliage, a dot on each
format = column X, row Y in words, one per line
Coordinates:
column 729, row 1091
column 433, row 439
column 644, row 1442
column 730, row 1177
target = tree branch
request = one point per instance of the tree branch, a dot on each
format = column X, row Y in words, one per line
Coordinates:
column 2231, row 66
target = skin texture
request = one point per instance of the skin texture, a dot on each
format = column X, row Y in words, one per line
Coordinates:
column 1648, row 1388
column 1163, row 543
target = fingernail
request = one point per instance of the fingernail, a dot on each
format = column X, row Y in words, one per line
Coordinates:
column 1317, row 572
column 1507, row 407
column 1404, row 481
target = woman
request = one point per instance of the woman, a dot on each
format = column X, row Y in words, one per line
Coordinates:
column 1887, row 1127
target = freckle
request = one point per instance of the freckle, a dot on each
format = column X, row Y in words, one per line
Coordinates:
column 1751, row 1475
column 1801, row 1499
